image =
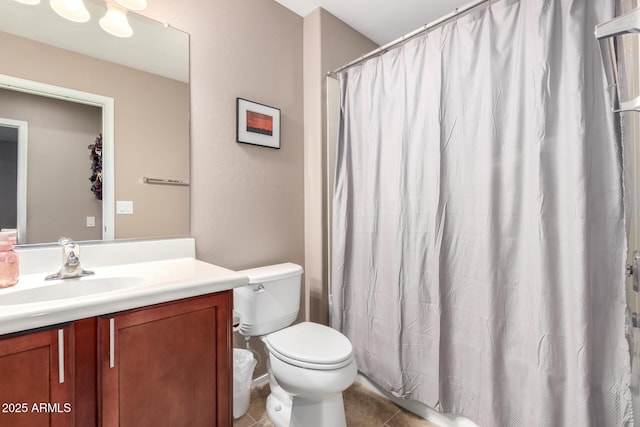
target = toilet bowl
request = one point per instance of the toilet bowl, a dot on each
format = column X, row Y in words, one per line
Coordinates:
column 309, row 364
column 313, row 364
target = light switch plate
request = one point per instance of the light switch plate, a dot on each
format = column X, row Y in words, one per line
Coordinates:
column 124, row 207
column 91, row 221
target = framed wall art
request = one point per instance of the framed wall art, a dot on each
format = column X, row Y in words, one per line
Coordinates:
column 257, row 124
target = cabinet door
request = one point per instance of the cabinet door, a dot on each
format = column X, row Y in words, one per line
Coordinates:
column 36, row 378
column 168, row 365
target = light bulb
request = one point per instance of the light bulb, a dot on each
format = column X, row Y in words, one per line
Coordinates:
column 115, row 22
column 73, row 10
column 133, row 4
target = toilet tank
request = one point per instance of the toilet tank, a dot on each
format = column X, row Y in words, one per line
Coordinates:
column 271, row 300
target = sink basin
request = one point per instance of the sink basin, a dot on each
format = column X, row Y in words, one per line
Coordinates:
column 36, row 303
column 71, row 288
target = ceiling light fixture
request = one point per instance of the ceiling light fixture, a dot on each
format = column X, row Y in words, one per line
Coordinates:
column 73, row 10
column 32, row 2
column 133, row 4
column 115, row 22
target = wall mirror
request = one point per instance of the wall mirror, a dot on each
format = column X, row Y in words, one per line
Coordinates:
column 65, row 84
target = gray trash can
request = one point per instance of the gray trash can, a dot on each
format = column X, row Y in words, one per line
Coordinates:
column 243, row 365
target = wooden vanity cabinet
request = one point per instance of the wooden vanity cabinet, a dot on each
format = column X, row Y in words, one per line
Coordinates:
column 168, row 364
column 36, row 378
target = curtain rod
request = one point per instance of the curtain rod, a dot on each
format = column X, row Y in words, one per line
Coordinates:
column 409, row 36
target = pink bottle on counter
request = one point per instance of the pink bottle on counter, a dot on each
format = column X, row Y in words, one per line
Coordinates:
column 9, row 261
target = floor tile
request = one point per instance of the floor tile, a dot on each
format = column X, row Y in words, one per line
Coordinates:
column 257, row 407
column 245, row 421
column 408, row 419
column 363, row 408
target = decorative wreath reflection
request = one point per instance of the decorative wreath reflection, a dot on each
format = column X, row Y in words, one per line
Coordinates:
column 96, row 167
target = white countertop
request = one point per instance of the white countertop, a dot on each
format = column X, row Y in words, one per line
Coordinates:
column 113, row 288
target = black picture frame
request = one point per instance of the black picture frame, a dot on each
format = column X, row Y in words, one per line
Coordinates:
column 257, row 124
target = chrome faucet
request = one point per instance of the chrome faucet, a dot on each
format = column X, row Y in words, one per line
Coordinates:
column 70, row 262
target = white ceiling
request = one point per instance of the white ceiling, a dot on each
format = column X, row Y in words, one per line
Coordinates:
column 380, row 20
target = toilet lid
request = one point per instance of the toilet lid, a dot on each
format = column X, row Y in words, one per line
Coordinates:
column 311, row 345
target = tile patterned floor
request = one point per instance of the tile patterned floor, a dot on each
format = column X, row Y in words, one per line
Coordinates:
column 362, row 408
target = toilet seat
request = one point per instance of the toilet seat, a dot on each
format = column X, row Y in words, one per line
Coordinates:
column 310, row 345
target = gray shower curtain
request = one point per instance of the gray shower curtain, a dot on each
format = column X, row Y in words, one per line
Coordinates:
column 479, row 230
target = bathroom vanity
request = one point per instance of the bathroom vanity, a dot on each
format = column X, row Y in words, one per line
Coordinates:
column 154, row 351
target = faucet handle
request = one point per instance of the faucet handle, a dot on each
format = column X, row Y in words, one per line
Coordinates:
column 63, row 241
column 70, row 252
column 70, row 261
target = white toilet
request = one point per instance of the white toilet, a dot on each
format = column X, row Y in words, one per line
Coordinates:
column 310, row 365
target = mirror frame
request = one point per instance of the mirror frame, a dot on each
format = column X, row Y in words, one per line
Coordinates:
column 23, row 139
column 108, row 128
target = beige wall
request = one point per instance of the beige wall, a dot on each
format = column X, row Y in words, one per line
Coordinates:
column 249, row 205
column 59, row 197
column 246, row 201
column 328, row 44
column 151, row 128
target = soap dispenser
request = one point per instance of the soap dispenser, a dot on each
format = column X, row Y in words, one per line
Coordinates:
column 9, row 270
